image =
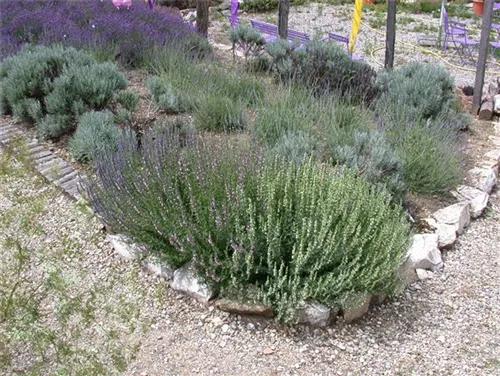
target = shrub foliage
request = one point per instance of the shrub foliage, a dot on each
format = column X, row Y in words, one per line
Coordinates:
column 51, row 86
column 95, row 131
column 323, row 66
column 293, row 232
column 128, row 35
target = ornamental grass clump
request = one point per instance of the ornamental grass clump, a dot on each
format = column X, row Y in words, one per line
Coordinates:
column 292, row 232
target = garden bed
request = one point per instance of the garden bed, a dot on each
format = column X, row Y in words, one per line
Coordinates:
column 295, row 182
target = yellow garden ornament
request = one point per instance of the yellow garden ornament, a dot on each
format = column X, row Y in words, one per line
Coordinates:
column 356, row 21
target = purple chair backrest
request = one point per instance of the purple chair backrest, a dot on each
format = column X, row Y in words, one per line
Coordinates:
column 339, row 38
column 234, row 13
column 445, row 21
column 294, row 35
column 264, row 27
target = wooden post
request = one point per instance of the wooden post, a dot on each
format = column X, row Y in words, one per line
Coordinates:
column 283, row 11
column 202, row 16
column 483, row 54
column 390, row 35
column 441, row 24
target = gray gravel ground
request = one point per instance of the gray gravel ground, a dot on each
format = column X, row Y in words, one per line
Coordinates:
column 318, row 19
column 448, row 325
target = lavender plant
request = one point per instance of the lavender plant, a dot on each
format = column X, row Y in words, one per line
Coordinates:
column 52, row 86
column 96, row 130
column 128, row 35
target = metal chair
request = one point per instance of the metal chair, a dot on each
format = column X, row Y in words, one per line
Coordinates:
column 464, row 46
column 495, row 44
column 449, row 30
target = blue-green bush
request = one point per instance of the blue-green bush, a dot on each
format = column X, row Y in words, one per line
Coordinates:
column 52, row 86
column 375, row 160
column 95, row 132
column 424, row 90
column 324, row 67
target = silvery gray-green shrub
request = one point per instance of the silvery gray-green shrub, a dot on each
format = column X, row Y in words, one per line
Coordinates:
column 51, row 86
column 163, row 95
column 423, row 89
column 375, row 159
column 95, row 131
column 247, row 39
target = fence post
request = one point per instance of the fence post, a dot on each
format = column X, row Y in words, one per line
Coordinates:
column 283, row 11
column 390, row 35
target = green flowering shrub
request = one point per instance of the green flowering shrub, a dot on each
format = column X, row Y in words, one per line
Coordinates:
column 291, row 232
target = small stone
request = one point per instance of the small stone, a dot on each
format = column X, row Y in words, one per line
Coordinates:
column 457, row 215
column 493, row 155
column 351, row 314
column 424, row 274
column 250, row 326
column 441, row 339
column 217, row 321
column 125, row 247
column 267, row 351
column 447, row 234
column 188, row 282
column 477, row 199
column 313, row 313
column 254, row 309
column 494, row 140
column 225, row 328
column 424, row 253
column 158, row 267
column 483, row 179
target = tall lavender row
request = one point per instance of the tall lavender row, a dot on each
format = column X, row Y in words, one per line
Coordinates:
column 175, row 193
column 128, row 34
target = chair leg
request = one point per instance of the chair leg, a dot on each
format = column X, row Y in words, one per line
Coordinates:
column 445, row 43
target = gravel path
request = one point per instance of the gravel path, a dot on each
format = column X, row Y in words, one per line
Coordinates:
column 448, row 325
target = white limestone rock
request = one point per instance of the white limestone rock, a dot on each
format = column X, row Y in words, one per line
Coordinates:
column 493, row 155
column 314, row 313
column 477, row 199
column 424, row 253
column 187, row 281
column 483, row 179
column 457, row 215
column 358, row 310
column 125, row 247
column 424, row 274
column 158, row 267
column 447, row 234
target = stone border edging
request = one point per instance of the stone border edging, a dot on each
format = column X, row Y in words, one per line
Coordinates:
column 424, row 256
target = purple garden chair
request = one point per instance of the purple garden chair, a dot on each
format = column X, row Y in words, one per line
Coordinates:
column 495, row 44
column 449, row 30
column 464, row 46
